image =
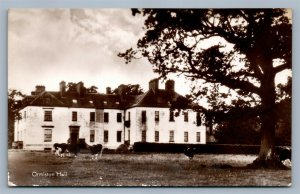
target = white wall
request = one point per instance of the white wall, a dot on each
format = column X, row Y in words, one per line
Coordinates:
column 164, row 126
column 32, row 127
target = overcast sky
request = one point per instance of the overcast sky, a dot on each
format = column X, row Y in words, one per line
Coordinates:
column 46, row 46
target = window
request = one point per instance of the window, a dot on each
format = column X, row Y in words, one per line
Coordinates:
column 92, row 116
column 48, row 115
column 171, row 116
column 198, row 119
column 171, row 136
column 156, row 116
column 144, row 136
column 156, row 136
column 119, row 136
column 74, row 116
column 186, row 116
column 198, row 136
column 92, row 135
column 47, row 135
column 119, row 117
column 128, row 116
column 186, row 136
column 106, row 116
column 143, row 116
column 105, row 136
column 128, row 135
column 24, row 114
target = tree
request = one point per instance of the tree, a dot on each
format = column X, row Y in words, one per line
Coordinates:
column 92, row 90
column 130, row 90
column 14, row 104
column 241, row 49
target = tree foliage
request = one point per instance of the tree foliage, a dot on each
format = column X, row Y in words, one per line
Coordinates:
column 240, row 49
column 130, row 89
column 14, row 105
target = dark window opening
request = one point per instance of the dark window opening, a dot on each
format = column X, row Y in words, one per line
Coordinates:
column 198, row 136
column 105, row 136
column 143, row 116
column 186, row 136
column 144, row 136
column 186, row 116
column 171, row 116
column 92, row 136
column 47, row 135
column 74, row 116
column 156, row 116
column 119, row 117
column 171, row 136
column 92, row 116
column 119, row 136
column 156, row 138
column 106, row 117
column 198, row 119
column 48, row 115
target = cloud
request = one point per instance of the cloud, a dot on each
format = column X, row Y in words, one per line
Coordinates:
column 50, row 45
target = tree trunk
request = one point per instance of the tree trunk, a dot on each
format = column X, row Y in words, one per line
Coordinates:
column 267, row 157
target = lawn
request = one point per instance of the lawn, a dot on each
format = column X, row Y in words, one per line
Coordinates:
column 45, row 169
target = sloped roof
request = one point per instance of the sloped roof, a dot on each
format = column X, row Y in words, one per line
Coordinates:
column 54, row 99
column 151, row 98
column 158, row 98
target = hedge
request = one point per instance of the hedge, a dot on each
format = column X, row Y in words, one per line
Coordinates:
column 198, row 148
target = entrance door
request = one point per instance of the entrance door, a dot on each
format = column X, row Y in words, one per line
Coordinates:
column 74, row 134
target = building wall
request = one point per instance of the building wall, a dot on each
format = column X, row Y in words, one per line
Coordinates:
column 31, row 129
column 163, row 126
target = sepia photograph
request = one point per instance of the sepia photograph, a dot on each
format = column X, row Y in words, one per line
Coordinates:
column 109, row 97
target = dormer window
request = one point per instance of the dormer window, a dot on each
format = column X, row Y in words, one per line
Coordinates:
column 74, row 101
column 105, row 102
column 91, row 102
column 117, row 102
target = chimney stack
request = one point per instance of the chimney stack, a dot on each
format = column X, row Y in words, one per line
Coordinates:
column 108, row 90
column 80, row 88
column 39, row 89
column 121, row 89
column 153, row 85
column 170, row 86
column 62, row 88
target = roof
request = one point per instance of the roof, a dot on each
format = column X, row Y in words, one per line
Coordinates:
column 152, row 98
column 54, row 99
column 158, row 98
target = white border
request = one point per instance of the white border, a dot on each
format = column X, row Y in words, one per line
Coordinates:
column 6, row 4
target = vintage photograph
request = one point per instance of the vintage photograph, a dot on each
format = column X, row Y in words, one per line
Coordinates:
column 149, row 97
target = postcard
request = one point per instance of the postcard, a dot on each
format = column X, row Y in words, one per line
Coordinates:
column 149, row 97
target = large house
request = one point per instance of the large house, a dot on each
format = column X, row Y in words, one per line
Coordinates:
column 109, row 119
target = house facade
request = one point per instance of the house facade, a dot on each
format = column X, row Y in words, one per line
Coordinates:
column 109, row 119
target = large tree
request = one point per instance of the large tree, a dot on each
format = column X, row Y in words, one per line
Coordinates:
column 14, row 105
column 241, row 49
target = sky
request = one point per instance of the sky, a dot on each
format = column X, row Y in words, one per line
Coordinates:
column 47, row 46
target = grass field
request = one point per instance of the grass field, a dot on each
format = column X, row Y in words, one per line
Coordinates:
column 45, row 169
